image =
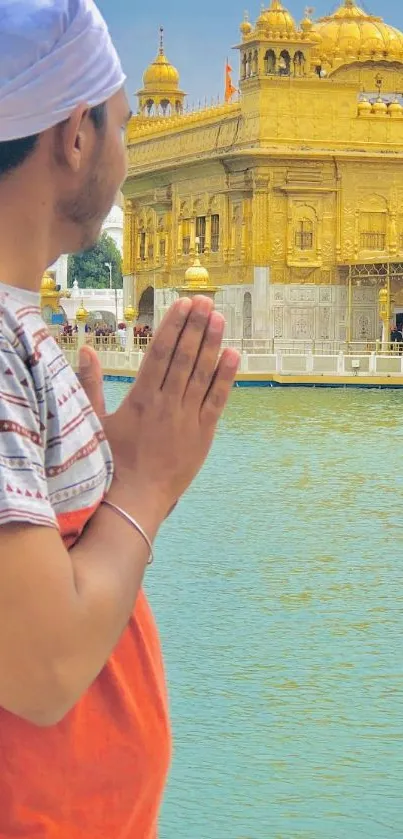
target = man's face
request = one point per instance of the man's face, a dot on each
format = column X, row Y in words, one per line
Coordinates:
column 86, row 203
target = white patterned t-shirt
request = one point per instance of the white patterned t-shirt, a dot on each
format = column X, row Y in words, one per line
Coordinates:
column 55, row 463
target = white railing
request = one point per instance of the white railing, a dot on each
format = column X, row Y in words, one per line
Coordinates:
column 281, row 364
column 253, row 346
column 272, row 346
column 84, row 293
column 101, row 343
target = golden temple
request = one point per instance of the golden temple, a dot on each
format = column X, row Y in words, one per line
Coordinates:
column 292, row 195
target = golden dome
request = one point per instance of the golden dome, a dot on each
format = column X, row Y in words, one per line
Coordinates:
column 350, row 33
column 364, row 107
column 246, row 27
column 130, row 313
column 81, row 314
column 197, row 281
column 161, row 75
column 395, row 109
column 196, row 275
column 308, row 31
column 277, row 21
column 48, row 283
column 379, row 107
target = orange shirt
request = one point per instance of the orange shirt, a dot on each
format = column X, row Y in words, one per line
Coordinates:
column 100, row 773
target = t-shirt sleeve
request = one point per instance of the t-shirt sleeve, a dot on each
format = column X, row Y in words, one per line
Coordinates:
column 23, row 484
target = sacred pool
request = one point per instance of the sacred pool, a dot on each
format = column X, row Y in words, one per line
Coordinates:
column 278, row 592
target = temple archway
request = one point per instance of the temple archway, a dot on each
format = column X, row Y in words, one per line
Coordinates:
column 146, row 308
column 101, row 318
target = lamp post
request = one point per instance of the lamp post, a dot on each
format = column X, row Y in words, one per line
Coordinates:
column 109, row 266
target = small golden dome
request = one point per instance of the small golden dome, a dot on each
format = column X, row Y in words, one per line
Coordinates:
column 196, row 275
column 395, row 109
column 81, row 314
column 48, row 283
column 308, row 31
column 277, row 21
column 130, row 313
column 379, row 107
column 246, row 27
column 351, row 33
column 161, row 75
column 364, row 107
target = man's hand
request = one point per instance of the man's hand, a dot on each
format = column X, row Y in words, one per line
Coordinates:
column 91, row 379
column 162, row 432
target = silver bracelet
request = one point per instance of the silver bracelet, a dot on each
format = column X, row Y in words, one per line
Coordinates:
column 134, row 524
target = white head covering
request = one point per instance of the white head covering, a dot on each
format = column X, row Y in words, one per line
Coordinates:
column 54, row 55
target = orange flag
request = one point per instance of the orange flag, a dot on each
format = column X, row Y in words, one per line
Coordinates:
column 229, row 87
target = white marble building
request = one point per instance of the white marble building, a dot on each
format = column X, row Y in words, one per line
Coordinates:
column 113, row 226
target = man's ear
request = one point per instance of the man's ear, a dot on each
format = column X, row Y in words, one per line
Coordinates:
column 74, row 138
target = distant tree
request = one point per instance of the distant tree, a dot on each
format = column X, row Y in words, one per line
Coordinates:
column 89, row 268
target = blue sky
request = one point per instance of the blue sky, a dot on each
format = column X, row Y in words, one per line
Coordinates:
column 199, row 36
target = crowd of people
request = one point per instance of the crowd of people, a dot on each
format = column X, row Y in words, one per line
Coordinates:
column 142, row 333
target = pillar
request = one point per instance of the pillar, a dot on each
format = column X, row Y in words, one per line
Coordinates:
column 128, row 252
column 261, row 254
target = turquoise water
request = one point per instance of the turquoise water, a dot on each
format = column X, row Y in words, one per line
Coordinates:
column 278, row 589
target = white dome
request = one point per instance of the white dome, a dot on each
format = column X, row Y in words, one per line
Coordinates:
column 115, row 217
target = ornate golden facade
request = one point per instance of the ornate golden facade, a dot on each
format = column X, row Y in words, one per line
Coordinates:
column 293, row 195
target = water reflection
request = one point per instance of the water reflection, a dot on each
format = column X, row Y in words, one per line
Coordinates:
column 278, row 590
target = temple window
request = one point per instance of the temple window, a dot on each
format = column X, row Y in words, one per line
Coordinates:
column 249, row 64
column 215, row 233
column 150, row 106
column 304, row 235
column 162, row 248
column 299, row 63
column 284, row 63
column 150, row 251
column 142, row 251
column 270, row 62
column 373, row 228
column 186, row 236
column 165, row 106
column 255, row 63
column 244, row 65
column 201, row 232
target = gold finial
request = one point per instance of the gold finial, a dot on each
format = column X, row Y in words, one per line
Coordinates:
column 161, row 40
column 48, row 284
column 81, row 313
column 246, row 26
column 130, row 313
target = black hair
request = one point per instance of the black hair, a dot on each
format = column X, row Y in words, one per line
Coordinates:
column 13, row 153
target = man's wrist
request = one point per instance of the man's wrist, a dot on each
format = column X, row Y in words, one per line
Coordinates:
column 141, row 503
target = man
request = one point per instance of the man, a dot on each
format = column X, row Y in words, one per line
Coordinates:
column 84, row 734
